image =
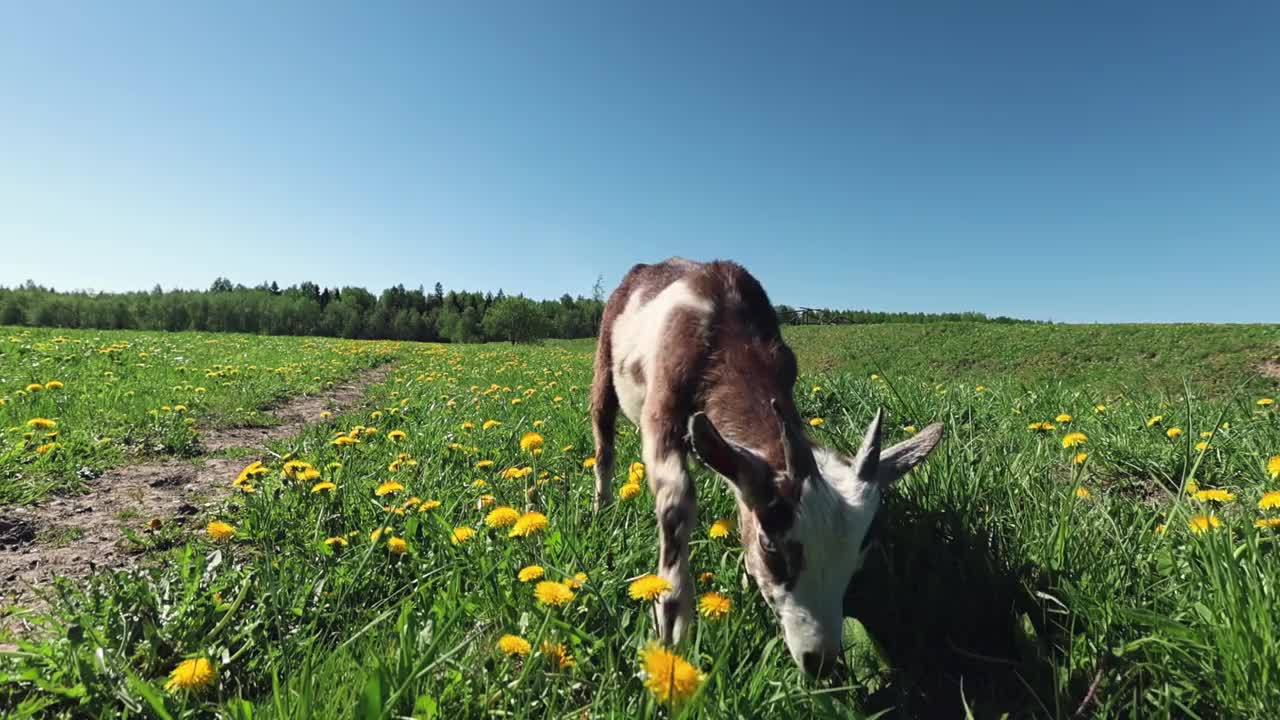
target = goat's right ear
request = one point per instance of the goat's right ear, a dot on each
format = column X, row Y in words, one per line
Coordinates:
column 732, row 462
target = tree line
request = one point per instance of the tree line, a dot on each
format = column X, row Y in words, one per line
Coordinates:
column 396, row 313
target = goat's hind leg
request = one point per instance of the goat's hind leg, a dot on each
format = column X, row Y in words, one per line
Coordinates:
column 604, row 421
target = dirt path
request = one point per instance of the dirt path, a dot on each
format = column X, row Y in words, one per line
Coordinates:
column 77, row 536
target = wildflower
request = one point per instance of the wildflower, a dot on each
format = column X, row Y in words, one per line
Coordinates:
column 553, row 594
column 397, row 545
column 1063, row 418
column 219, row 531
column 1269, row 500
column 530, row 573
column 501, row 516
column 713, row 605
column 816, row 389
column 588, row 463
column 1083, row 493
column 1040, row 426
column 1267, row 523
column 338, row 541
column 911, row 429
column 323, row 487
column 648, row 587
column 253, row 470
column 387, row 488
column 721, row 528
column 629, row 490
column 1161, row 529
column 468, row 426
column 1202, row 446
column 1099, row 408
column 1154, row 420
column 558, row 654
column 1080, row 457
column 484, row 501
column 47, row 448
column 530, row 441
column 428, row 505
column 528, row 524
column 575, row 582
column 539, row 423
column 706, row 578
column 1273, row 467
column 377, row 534
column 490, row 424
column 34, row 387
column 635, row 472
column 1073, row 439
column 397, row 435
column 980, row 388
column 1264, row 402
column 514, row 645
column 484, row 464
column 1173, row 433
column 1192, row 486
column 325, row 414
column 191, row 674
column 42, row 423
column 670, row 678
column 815, row 422
column 1206, row 434
column 343, row 440
column 1201, row 524
column 461, row 535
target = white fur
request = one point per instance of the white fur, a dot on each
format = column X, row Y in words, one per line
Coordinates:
column 638, row 337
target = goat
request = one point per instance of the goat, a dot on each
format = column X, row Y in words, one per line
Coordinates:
column 693, row 355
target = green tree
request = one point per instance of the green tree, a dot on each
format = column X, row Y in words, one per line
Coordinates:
column 516, row 319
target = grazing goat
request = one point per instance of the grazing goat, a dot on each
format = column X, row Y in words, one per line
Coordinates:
column 693, row 354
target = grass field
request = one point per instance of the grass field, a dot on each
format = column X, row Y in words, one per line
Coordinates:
column 1088, row 536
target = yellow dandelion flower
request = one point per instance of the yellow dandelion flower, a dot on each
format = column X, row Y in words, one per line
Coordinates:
column 428, row 505
column 42, row 423
column 397, row 435
column 1202, row 446
column 484, row 464
column 1267, row 523
column 589, row 463
column 1083, row 493
column 468, row 426
column 528, row 524
column 911, row 429
column 323, row 487
column 530, row 441
column 1201, row 524
column 501, row 516
column 1273, row 467
column 670, row 678
column 57, row 385
column 1040, row 426
column 1264, row 402
column 461, row 535
column 191, row 674
column 1173, row 432
column 325, row 414
column 575, row 582
column 629, row 490
column 558, row 654
column 531, row 573
column 1192, row 486
column 648, row 587
column 514, row 645
column 1161, row 529
column 34, row 387
column 491, row 424
column 721, row 528
column 1073, row 439
column 815, row 422
column 337, row 541
column 387, row 488
column 706, row 578
column 1269, row 500
column 713, row 605
column 539, row 423
column 1154, row 420
column 343, row 440
column 220, row 531
column 397, row 545
column 47, row 448
column 1063, row 418
column 553, row 594
column 1099, row 408
column 1080, row 457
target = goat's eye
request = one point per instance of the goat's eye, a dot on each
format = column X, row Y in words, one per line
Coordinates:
column 766, row 544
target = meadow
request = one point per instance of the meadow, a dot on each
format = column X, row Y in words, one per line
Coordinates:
column 1094, row 537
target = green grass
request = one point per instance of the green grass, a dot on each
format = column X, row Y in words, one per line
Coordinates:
column 126, row 395
column 997, row 588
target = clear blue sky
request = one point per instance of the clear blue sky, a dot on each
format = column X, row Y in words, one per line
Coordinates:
column 1082, row 161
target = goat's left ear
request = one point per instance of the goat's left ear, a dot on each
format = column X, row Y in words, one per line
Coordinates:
column 884, row 466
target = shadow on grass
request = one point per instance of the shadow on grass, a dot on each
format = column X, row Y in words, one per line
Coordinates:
column 953, row 624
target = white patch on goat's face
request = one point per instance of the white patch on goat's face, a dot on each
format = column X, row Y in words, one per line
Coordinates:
column 639, row 338
column 826, row 540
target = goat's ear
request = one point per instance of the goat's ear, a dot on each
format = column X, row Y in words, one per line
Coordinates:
column 899, row 459
column 735, row 464
column 867, row 462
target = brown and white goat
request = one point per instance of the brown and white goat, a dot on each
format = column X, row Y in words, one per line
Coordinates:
column 693, row 354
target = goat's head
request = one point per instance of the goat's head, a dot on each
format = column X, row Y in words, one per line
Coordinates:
column 804, row 527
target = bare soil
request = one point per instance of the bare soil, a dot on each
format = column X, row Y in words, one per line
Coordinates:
column 78, row 536
column 1270, row 368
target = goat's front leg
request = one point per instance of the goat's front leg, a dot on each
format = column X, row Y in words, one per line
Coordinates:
column 677, row 510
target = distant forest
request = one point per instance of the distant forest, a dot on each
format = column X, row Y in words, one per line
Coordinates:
column 353, row 312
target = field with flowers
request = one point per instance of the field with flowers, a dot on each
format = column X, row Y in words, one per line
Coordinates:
column 75, row 402
column 1095, row 543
